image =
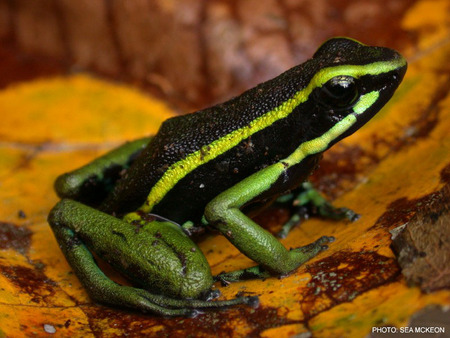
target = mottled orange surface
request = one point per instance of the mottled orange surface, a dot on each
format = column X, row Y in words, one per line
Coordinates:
column 385, row 171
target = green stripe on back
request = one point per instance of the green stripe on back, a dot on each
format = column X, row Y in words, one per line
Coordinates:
column 180, row 169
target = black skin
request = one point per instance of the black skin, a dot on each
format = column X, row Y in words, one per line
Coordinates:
column 154, row 252
column 182, row 135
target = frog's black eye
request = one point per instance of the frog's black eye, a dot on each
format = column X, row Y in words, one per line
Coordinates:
column 338, row 92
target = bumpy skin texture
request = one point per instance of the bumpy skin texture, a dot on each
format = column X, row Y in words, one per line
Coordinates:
column 212, row 165
column 183, row 135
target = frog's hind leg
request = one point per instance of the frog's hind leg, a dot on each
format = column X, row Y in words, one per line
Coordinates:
column 77, row 226
column 91, row 183
column 306, row 201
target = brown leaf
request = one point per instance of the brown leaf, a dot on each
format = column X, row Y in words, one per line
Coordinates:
column 194, row 52
column 423, row 245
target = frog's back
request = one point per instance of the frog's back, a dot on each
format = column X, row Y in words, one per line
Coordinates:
column 195, row 157
column 203, row 133
column 189, row 133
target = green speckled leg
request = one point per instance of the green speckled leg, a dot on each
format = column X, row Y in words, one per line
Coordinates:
column 90, row 183
column 224, row 213
column 77, row 226
column 307, row 196
column 259, row 272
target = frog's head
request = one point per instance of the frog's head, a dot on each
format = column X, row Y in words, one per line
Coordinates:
column 352, row 82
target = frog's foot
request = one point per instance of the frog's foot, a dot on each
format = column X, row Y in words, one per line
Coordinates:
column 254, row 272
column 300, row 214
column 320, row 206
column 327, row 210
column 259, row 272
column 312, row 249
column 309, row 202
column 211, row 294
column 106, row 291
column 182, row 307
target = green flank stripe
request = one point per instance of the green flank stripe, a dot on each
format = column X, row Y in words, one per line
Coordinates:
column 322, row 142
column 180, row 169
column 256, row 184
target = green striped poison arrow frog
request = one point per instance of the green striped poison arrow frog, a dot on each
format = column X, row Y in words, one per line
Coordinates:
column 136, row 206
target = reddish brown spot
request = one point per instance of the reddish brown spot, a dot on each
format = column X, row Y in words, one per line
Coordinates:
column 210, row 323
column 341, row 165
column 14, row 237
column 445, row 174
column 272, row 218
column 30, row 281
column 403, row 209
column 343, row 276
column 398, row 212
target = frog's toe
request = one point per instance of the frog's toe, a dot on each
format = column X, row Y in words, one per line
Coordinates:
column 351, row 215
column 327, row 210
column 223, row 278
column 252, row 301
column 193, row 307
column 194, row 313
column 325, row 240
column 314, row 248
column 212, row 294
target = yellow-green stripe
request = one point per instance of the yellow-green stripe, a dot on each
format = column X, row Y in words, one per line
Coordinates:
column 322, row 142
column 180, row 169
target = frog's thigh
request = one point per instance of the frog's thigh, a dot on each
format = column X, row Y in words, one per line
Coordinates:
column 71, row 184
column 77, row 226
column 98, row 285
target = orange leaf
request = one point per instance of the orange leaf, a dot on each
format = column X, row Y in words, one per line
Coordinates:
column 387, row 171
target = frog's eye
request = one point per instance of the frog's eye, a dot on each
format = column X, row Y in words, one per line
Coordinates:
column 338, row 92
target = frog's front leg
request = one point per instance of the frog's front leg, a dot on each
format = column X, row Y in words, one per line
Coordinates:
column 224, row 213
column 158, row 256
column 93, row 181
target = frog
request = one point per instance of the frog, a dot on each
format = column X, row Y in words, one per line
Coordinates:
column 137, row 206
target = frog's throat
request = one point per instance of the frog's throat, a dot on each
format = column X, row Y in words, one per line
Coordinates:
column 180, row 169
